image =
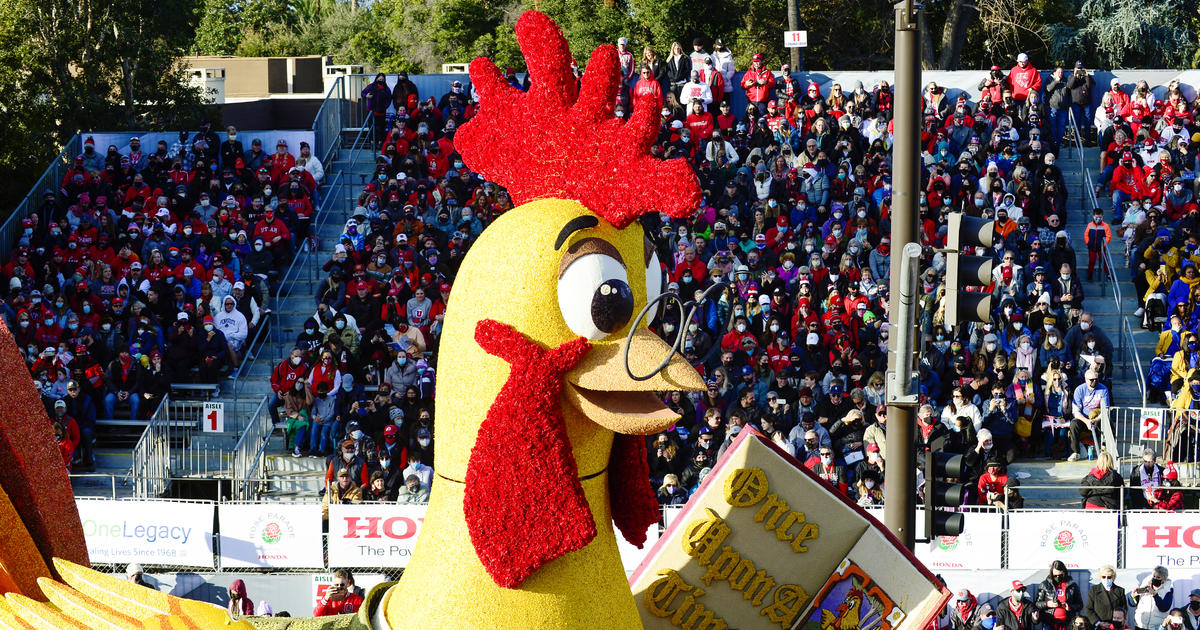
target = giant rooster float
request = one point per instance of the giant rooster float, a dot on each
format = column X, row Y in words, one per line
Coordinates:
column 539, row 418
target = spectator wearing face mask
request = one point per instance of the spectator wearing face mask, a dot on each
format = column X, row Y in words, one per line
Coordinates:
column 825, row 467
column 1058, row 599
column 1152, row 599
column 1016, row 612
column 1104, row 599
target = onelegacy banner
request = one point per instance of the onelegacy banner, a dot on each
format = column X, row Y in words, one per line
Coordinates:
column 148, row 532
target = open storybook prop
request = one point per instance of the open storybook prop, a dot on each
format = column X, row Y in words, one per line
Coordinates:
column 764, row 543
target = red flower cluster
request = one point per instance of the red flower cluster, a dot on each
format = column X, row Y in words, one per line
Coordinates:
column 557, row 141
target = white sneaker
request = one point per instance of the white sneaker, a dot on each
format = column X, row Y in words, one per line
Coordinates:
column 1139, row 312
column 296, row 452
column 1073, row 457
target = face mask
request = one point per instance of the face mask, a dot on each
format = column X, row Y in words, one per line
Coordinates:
column 826, row 459
column 987, row 447
column 423, row 442
column 208, row 327
column 988, row 622
column 347, row 456
column 1156, row 581
column 1052, row 340
column 267, row 191
column 103, row 327
column 1085, row 325
column 1194, row 605
column 870, row 483
column 991, row 347
column 296, row 360
column 1092, row 345
column 339, row 324
column 741, row 328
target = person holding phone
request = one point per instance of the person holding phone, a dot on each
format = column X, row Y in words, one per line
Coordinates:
column 340, row 598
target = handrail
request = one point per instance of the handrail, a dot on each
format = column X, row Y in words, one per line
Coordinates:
column 51, row 178
column 250, row 449
column 322, row 134
column 284, row 291
column 1126, row 343
column 151, row 456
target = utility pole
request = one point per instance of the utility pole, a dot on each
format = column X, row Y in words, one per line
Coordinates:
column 794, row 25
column 899, row 513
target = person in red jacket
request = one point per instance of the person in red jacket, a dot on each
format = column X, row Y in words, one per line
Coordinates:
column 758, row 82
column 341, row 598
column 275, row 235
column 284, row 377
column 700, row 123
column 690, row 265
column 1023, row 79
column 647, row 85
column 1167, row 497
column 1128, row 184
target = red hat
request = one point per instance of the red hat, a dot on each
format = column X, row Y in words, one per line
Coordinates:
column 760, row 238
column 1127, row 156
column 391, row 429
column 995, row 68
column 208, row 319
column 1170, row 472
column 361, row 286
column 1017, row 585
column 445, row 287
column 781, row 221
column 872, row 448
column 81, row 286
column 771, row 103
column 757, row 57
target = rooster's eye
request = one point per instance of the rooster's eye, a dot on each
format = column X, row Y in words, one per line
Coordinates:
column 594, row 296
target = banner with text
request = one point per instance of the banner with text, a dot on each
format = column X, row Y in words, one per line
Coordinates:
column 373, row 535
column 1169, row 539
column 271, row 536
column 1081, row 539
column 978, row 547
column 149, row 532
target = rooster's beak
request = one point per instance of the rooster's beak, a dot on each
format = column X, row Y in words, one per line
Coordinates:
column 603, row 391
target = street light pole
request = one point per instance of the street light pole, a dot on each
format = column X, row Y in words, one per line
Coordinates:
column 900, row 477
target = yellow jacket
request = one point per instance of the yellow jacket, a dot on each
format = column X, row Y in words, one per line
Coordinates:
column 1179, row 363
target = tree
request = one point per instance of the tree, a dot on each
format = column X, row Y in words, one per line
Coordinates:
column 1129, row 33
column 72, row 66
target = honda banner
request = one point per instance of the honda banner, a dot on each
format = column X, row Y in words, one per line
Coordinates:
column 149, row 532
column 272, row 535
column 1169, row 539
column 1082, row 539
column 373, row 535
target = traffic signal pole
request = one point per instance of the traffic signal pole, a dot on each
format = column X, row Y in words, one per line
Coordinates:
column 899, row 506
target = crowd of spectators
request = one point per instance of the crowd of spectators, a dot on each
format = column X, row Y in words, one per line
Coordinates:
column 149, row 266
column 796, row 220
column 1061, row 603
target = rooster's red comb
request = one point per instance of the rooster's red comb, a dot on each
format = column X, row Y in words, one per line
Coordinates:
column 559, row 141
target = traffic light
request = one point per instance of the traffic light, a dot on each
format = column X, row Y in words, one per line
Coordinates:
column 939, row 493
column 964, row 270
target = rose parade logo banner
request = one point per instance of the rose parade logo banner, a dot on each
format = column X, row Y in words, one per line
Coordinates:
column 271, row 536
column 1080, row 539
column 764, row 543
column 148, row 532
column 978, row 547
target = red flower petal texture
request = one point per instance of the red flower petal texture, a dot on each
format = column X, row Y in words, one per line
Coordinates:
column 516, row 528
column 557, row 141
column 634, row 505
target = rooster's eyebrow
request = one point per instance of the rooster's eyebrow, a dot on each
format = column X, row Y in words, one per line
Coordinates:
column 581, row 222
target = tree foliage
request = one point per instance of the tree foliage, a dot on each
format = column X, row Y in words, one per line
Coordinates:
column 1129, row 33
column 69, row 66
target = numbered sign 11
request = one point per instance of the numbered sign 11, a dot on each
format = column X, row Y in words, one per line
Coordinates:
column 213, row 418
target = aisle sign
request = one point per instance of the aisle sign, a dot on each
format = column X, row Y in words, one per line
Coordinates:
column 212, row 417
column 795, row 39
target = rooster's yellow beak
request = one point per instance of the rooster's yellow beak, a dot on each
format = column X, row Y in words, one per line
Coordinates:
column 602, row 390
